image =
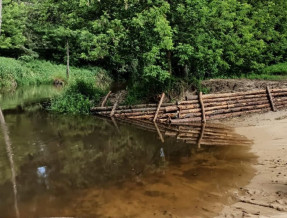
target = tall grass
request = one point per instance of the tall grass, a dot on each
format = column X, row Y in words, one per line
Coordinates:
column 15, row 73
column 276, row 69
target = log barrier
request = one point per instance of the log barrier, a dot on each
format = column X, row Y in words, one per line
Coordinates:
column 200, row 108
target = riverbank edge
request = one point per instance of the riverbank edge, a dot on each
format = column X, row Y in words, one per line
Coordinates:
column 266, row 194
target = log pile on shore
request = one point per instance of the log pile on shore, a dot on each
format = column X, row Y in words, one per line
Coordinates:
column 200, row 107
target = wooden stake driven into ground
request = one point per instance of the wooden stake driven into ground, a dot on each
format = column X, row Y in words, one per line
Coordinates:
column 202, row 107
column 115, row 105
column 159, row 105
column 105, row 99
column 201, row 136
column 270, row 98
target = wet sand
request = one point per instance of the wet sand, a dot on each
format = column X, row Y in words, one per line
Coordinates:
column 266, row 194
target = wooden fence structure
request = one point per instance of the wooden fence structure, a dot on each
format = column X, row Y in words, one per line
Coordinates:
column 201, row 107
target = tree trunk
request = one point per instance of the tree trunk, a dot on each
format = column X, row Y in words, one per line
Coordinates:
column 168, row 54
column 0, row 15
column 185, row 70
column 68, row 59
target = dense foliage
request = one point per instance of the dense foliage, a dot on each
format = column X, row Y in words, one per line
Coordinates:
column 150, row 42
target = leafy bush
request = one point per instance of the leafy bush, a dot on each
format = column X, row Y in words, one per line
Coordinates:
column 77, row 98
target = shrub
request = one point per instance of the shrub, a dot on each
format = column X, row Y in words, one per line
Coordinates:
column 77, row 98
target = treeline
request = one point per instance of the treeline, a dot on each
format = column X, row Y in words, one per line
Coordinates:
column 150, row 41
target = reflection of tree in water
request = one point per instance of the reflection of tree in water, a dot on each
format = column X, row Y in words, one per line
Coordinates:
column 11, row 160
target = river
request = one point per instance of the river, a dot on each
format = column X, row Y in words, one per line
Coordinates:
column 83, row 166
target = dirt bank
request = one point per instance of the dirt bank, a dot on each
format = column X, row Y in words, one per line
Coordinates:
column 240, row 85
column 266, row 194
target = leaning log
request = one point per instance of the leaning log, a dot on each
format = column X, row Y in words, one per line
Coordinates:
column 115, row 105
column 106, row 98
column 158, row 108
column 202, row 107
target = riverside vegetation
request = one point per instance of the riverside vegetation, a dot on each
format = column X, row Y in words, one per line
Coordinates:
column 153, row 45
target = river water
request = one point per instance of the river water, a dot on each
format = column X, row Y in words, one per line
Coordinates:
column 83, row 166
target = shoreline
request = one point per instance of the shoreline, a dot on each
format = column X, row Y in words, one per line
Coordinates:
column 266, row 194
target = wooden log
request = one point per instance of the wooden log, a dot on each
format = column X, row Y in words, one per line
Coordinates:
column 130, row 111
column 235, row 98
column 236, row 94
column 181, row 116
column 115, row 105
column 202, row 107
column 189, row 106
column 279, row 94
column 281, row 103
column 171, row 108
column 220, row 103
column 235, row 114
column 159, row 105
column 278, row 90
column 168, row 115
column 190, row 111
column 105, row 99
column 282, row 106
column 234, row 106
column 187, row 120
column 270, row 98
column 109, row 108
column 280, row 99
column 189, row 102
column 210, row 143
column 201, row 136
column 133, row 113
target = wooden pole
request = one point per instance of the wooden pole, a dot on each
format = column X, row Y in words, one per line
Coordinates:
column 202, row 107
column 201, row 136
column 159, row 105
column 270, row 98
column 115, row 105
column 105, row 99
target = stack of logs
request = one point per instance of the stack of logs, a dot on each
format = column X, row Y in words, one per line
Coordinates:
column 201, row 107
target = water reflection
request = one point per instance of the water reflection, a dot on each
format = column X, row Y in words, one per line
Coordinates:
column 91, row 167
column 11, row 160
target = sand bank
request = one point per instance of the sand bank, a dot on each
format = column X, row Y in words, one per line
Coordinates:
column 266, row 194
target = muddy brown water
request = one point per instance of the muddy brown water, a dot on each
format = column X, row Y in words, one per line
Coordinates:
column 81, row 166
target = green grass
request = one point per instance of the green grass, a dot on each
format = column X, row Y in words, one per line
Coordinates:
column 276, row 69
column 15, row 73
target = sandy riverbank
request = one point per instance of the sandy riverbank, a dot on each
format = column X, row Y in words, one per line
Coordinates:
column 266, row 194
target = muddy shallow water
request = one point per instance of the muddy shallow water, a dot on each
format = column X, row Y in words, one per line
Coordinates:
column 93, row 167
